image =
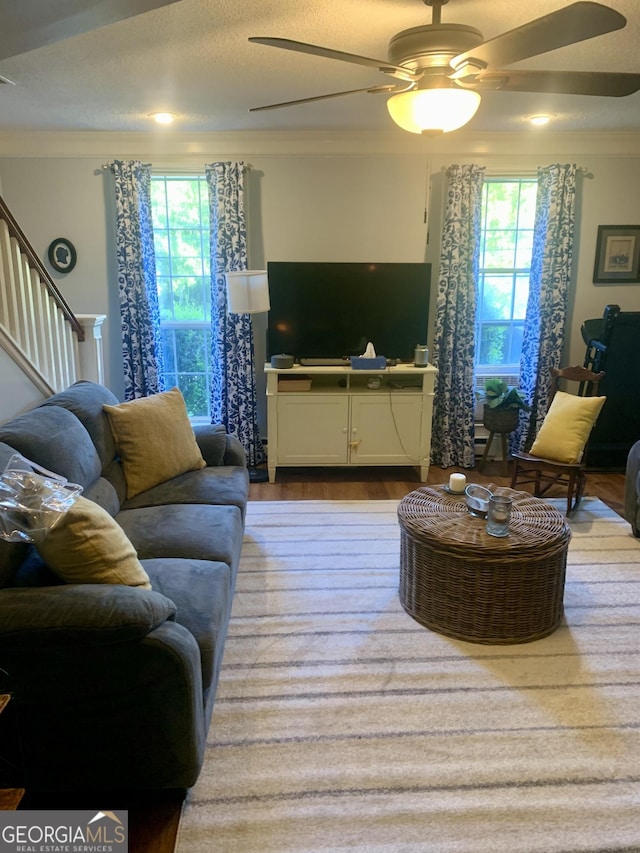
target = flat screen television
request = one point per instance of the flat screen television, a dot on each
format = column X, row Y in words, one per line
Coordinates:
column 324, row 312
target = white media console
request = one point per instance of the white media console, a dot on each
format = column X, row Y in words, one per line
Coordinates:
column 336, row 419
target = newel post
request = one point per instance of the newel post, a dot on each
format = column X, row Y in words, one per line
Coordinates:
column 90, row 354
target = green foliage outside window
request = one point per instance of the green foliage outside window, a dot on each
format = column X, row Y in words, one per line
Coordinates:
column 508, row 216
column 187, row 355
column 181, row 241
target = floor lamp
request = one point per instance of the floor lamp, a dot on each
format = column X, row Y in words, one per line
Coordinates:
column 248, row 293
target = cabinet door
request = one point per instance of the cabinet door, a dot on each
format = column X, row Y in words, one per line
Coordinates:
column 386, row 429
column 312, row 429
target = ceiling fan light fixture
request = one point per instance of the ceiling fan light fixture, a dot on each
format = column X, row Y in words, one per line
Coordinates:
column 540, row 120
column 426, row 110
column 163, row 118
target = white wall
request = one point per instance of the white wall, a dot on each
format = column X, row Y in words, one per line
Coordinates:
column 610, row 197
column 17, row 394
column 310, row 197
column 72, row 198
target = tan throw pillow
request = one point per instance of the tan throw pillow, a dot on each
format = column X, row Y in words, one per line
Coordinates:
column 88, row 546
column 154, row 440
column 566, row 427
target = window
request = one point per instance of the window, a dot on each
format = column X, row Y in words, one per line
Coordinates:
column 180, row 210
column 508, row 214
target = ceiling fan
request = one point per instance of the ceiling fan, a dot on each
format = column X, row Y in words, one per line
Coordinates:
column 30, row 24
column 438, row 64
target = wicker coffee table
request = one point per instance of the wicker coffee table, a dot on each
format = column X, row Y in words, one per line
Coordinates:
column 459, row 581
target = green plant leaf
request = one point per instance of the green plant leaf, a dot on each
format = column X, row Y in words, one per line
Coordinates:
column 498, row 395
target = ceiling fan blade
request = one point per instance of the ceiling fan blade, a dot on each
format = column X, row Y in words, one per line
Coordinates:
column 30, row 24
column 575, row 23
column 607, row 84
column 384, row 89
column 328, row 53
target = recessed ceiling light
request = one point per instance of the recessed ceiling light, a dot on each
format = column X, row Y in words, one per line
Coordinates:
column 539, row 120
column 163, row 118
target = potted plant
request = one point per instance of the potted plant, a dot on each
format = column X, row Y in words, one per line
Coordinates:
column 502, row 405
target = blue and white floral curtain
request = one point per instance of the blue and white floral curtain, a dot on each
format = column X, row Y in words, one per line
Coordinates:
column 545, row 320
column 233, row 394
column 454, row 338
column 139, row 313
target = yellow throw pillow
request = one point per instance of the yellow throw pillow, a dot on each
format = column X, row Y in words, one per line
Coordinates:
column 566, row 427
column 154, row 440
column 88, row 546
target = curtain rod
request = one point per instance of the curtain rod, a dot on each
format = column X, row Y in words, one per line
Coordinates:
column 506, row 173
column 496, row 172
column 182, row 170
column 162, row 170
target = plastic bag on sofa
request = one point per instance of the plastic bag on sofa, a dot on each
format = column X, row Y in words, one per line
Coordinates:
column 32, row 500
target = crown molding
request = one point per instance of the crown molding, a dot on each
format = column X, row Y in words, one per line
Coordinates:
column 196, row 148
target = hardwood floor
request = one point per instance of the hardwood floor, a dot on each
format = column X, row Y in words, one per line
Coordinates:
column 299, row 484
column 153, row 819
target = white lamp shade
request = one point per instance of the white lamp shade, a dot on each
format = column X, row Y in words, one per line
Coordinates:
column 247, row 292
column 433, row 109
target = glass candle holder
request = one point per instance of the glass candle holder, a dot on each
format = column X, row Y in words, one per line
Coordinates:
column 499, row 515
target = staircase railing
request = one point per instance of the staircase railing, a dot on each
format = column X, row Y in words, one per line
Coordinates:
column 37, row 327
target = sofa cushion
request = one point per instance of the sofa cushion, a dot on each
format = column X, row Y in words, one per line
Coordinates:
column 566, row 427
column 115, row 475
column 227, row 485
column 102, row 492
column 201, row 591
column 192, row 531
column 212, row 441
column 54, row 438
column 72, row 615
column 154, row 440
column 88, row 546
column 209, row 438
column 86, row 401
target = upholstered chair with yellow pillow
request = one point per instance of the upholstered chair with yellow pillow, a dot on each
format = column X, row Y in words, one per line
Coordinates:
column 556, row 455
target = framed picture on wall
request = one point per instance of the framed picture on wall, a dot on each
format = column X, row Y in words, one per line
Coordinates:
column 62, row 255
column 617, row 255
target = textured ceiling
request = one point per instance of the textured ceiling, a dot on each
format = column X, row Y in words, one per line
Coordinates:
column 193, row 58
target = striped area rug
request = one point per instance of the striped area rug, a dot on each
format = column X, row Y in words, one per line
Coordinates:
column 341, row 724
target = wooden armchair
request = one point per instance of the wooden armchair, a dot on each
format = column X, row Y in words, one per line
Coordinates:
column 555, row 458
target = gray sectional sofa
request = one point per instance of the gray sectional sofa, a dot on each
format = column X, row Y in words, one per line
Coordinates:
column 632, row 489
column 113, row 686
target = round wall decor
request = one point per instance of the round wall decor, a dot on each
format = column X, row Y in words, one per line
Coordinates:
column 62, row 255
